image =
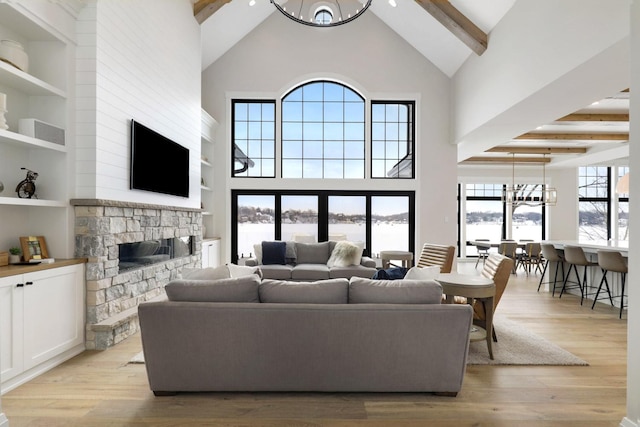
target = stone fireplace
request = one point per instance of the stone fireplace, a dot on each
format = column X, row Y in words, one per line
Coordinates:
column 113, row 294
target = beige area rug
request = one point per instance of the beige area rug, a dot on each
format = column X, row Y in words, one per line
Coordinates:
column 518, row 346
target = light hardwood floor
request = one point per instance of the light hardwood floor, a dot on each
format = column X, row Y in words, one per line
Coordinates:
column 101, row 389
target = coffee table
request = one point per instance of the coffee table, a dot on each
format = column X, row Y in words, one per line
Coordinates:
column 472, row 287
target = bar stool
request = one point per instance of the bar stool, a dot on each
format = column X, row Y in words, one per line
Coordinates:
column 550, row 255
column 612, row 261
column 574, row 256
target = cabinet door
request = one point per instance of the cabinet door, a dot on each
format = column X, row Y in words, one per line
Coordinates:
column 53, row 313
column 205, row 254
column 214, row 254
column 11, row 300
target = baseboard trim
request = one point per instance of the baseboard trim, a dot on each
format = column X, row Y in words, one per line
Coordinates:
column 626, row 422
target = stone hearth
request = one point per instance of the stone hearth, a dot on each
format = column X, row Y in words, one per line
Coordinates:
column 113, row 296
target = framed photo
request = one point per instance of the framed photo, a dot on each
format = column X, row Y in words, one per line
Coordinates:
column 34, row 247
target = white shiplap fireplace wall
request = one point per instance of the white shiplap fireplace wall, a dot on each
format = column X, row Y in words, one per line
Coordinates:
column 135, row 60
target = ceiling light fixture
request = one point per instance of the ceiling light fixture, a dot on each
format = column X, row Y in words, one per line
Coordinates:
column 322, row 13
column 529, row 194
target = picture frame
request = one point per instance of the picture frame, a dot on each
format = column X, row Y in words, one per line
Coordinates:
column 33, row 247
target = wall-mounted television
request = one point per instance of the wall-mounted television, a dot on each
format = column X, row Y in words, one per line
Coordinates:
column 158, row 164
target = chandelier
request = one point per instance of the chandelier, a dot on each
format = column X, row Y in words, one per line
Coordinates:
column 322, row 13
column 529, row 194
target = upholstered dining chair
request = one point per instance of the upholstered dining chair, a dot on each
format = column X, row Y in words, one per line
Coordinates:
column 508, row 249
column 531, row 257
column 433, row 254
column 483, row 250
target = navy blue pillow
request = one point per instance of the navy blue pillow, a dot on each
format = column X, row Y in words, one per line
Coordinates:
column 273, row 252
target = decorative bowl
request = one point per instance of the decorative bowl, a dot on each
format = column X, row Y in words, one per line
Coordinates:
column 13, row 53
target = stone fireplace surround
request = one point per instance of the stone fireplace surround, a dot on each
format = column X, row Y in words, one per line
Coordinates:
column 112, row 297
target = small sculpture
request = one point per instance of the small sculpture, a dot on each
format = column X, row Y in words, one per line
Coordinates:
column 26, row 189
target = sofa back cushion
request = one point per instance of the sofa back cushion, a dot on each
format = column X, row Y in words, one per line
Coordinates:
column 209, row 273
column 312, row 253
column 240, row 289
column 368, row 291
column 334, row 291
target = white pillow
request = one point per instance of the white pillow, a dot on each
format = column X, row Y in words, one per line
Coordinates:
column 243, row 270
column 257, row 252
column 423, row 273
column 344, row 254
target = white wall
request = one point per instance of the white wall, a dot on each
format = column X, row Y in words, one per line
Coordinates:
column 633, row 315
column 136, row 60
column 546, row 58
column 280, row 54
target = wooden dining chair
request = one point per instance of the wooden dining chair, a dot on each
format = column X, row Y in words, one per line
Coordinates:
column 433, row 254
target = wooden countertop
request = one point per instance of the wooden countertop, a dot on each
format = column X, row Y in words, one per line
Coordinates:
column 12, row 270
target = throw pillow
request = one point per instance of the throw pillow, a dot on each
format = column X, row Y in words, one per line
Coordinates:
column 273, row 253
column 257, row 252
column 344, row 255
column 240, row 289
column 312, row 253
column 209, row 273
column 332, row 291
column 423, row 273
column 242, row 270
column 367, row 291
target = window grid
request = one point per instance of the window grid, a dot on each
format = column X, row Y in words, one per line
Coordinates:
column 392, row 139
column 322, row 132
column 253, row 136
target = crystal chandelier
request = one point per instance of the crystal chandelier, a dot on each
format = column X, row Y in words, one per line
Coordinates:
column 322, row 13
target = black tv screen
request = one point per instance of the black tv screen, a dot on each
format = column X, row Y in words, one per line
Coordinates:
column 158, row 164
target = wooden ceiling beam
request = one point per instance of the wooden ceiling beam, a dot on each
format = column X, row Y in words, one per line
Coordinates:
column 506, row 160
column 574, row 136
column 537, row 150
column 458, row 24
column 587, row 117
column 202, row 9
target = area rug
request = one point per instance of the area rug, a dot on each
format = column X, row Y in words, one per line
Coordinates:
column 518, row 346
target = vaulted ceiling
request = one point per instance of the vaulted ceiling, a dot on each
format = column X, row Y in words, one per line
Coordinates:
column 447, row 33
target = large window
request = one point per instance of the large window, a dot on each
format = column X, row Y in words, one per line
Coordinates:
column 488, row 217
column 384, row 220
column 594, row 203
column 323, row 132
column 253, row 139
column 392, row 139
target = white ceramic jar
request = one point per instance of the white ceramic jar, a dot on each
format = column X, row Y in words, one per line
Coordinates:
column 13, row 53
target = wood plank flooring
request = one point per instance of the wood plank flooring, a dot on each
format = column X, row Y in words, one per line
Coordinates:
column 101, row 389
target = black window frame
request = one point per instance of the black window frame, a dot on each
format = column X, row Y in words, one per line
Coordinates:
column 323, row 206
column 598, row 199
column 411, row 138
column 237, row 152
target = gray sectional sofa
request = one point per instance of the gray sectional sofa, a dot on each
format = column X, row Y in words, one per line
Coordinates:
column 358, row 335
column 310, row 261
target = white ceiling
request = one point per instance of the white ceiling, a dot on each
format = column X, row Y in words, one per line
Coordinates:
column 237, row 18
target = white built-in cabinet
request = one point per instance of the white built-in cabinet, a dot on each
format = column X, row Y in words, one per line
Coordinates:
column 210, row 245
column 41, row 321
column 42, row 93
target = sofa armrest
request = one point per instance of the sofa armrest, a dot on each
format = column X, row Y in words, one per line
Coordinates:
column 251, row 262
column 367, row 262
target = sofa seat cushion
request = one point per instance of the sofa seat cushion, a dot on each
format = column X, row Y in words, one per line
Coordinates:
column 240, row 289
column 367, row 291
column 275, row 271
column 310, row 272
column 321, row 292
column 351, row 271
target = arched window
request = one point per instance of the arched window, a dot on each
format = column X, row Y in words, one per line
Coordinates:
column 323, row 132
column 323, row 16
